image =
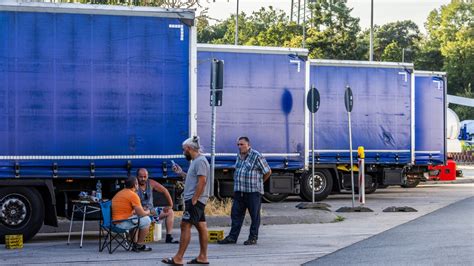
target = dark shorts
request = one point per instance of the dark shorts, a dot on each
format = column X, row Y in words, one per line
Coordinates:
column 193, row 214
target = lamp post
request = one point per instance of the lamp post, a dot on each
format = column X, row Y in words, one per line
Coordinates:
column 371, row 56
column 237, row 25
column 304, row 23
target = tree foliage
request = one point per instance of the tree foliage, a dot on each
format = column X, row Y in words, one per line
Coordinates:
column 332, row 31
column 392, row 52
column 449, row 47
column 266, row 27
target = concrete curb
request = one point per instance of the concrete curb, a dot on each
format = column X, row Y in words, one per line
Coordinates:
column 308, row 217
column 459, row 180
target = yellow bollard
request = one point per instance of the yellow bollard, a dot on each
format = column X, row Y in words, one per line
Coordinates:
column 361, row 152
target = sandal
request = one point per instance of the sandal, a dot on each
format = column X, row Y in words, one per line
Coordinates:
column 195, row 261
column 170, row 261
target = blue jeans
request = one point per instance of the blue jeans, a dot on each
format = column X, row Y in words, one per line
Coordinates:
column 243, row 201
column 129, row 224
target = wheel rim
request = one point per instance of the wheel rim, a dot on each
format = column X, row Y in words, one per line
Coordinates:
column 14, row 210
column 319, row 181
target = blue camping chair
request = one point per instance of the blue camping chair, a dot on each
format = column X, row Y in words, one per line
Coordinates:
column 110, row 234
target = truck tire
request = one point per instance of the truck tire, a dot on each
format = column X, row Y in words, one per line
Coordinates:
column 324, row 183
column 411, row 183
column 373, row 185
column 274, row 197
column 21, row 212
column 371, row 188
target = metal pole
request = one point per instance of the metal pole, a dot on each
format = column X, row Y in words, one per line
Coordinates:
column 371, row 57
column 352, row 162
column 291, row 12
column 312, row 144
column 237, row 25
column 304, row 23
column 213, row 140
column 299, row 9
column 403, row 55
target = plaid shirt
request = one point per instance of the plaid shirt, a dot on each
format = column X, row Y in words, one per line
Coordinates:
column 248, row 175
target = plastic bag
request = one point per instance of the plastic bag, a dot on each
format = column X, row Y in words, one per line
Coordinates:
column 157, row 232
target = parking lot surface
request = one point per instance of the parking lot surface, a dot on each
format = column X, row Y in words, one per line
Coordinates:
column 284, row 244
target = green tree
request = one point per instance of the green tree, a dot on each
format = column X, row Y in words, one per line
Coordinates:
column 266, row 27
column 405, row 34
column 428, row 57
column 451, row 38
column 392, row 53
column 333, row 32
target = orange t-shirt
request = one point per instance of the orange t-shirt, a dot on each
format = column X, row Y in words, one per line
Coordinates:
column 123, row 203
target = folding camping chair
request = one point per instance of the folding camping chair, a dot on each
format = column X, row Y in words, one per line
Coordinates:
column 110, row 234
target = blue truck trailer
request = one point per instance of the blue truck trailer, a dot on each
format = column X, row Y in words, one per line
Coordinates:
column 88, row 93
column 430, row 121
column 263, row 99
column 382, row 122
column 430, row 118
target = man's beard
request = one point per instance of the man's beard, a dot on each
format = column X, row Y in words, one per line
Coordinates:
column 188, row 156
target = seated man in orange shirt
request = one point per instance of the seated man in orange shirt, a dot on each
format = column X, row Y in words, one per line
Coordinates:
column 126, row 205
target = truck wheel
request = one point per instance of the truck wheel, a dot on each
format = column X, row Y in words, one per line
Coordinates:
column 21, row 212
column 411, row 183
column 274, row 197
column 323, row 185
column 373, row 185
column 371, row 188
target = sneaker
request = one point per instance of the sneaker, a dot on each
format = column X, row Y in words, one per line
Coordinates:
column 227, row 240
column 138, row 248
column 170, row 240
column 250, row 241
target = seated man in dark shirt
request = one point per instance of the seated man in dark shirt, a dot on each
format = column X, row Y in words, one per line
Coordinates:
column 145, row 192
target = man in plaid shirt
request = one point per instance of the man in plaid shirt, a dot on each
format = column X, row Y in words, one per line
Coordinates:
column 251, row 171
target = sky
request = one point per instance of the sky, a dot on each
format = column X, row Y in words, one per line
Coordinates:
column 384, row 10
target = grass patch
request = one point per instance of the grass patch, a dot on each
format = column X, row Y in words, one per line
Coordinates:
column 214, row 207
column 338, row 219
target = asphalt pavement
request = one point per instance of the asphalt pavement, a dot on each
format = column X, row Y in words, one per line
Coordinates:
column 443, row 237
column 280, row 244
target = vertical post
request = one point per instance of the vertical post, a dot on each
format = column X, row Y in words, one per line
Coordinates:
column 237, row 25
column 312, row 145
column 361, row 155
column 371, row 56
column 213, row 141
column 304, row 23
column 299, row 9
column 403, row 55
column 312, row 101
column 291, row 12
column 350, row 155
column 362, row 181
column 216, row 84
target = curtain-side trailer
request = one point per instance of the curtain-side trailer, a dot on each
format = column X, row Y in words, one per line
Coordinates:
column 88, row 93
